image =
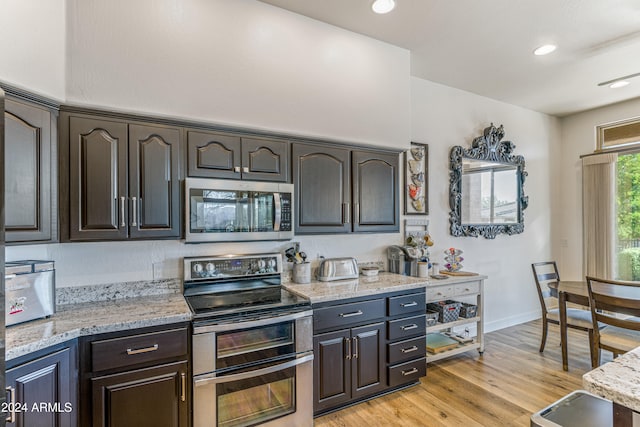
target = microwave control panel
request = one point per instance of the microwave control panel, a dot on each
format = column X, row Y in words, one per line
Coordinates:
column 285, row 212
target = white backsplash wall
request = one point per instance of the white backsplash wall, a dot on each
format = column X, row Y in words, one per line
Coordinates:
column 81, row 264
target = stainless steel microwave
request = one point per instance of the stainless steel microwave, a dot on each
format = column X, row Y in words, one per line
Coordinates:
column 220, row 210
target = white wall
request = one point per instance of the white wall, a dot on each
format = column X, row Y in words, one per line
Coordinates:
column 578, row 138
column 246, row 63
column 444, row 117
column 238, row 62
column 32, row 52
column 232, row 62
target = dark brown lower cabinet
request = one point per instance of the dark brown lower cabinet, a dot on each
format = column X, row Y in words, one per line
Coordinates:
column 349, row 365
column 136, row 378
column 149, row 397
column 43, row 391
column 364, row 347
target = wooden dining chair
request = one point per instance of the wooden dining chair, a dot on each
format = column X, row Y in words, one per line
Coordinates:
column 577, row 317
column 616, row 304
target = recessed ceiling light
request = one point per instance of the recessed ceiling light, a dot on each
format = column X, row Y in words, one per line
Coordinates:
column 545, row 49
column 619, row 83
column 383, row 6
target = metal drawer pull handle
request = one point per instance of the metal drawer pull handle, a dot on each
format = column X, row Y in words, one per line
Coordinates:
column 355, row 313
column 134, row 215
column 122, row 207
column 11, row 400
column 355, row 347
column 409, row 304
column 142, row 350
column 348, row 347
column 183, row 385
column 409, row 350
column 409, row 327
column 410, row 371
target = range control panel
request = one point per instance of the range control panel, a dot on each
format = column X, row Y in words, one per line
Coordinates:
column 231, row 266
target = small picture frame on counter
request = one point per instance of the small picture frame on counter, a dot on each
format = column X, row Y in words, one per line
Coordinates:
column 416, row 179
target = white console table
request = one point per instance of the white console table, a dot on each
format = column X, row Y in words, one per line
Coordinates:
column 455, row 288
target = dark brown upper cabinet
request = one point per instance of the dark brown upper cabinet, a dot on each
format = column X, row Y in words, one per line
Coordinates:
column 123, row 179
column 375, row 191
column 216, row 155
column 322, row 181
column 30, row 175
column 338, row 190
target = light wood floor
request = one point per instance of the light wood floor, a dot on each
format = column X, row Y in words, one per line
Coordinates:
column 511, row 381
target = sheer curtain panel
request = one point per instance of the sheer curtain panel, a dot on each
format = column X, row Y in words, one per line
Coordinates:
column 599, row 214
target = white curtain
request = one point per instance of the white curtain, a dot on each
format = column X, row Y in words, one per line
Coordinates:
column 599, row 214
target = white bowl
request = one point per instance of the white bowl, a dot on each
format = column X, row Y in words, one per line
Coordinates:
column 370, row 271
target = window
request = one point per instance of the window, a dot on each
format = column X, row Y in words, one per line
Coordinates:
column 622, row 134
column 628, row 216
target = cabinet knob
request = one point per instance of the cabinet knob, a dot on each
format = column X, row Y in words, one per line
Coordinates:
column 245, row 169
column 236, row 169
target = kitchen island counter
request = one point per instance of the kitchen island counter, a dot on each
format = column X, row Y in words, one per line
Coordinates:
column 318, row 291
column 618, row 381
column 75, row 320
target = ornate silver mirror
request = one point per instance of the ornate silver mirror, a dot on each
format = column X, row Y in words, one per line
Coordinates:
column 486, row 193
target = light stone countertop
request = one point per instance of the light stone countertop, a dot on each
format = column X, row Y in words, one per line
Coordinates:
column 618, row 381
column 318, row 291
column 75, row 320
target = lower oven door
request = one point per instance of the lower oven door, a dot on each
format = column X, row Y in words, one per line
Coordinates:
column 278, row 395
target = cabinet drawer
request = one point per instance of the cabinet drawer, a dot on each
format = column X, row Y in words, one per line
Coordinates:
column 439, row 293
column 407, row 350
column 348, row 314
column 136, row 349
column 407, row 327
column 407, row 372
column 465, row 288
column 406, row 304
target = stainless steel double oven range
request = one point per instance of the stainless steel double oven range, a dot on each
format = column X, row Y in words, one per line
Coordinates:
column 252, row 343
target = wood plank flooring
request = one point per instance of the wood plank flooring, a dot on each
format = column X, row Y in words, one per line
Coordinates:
column 511, row 381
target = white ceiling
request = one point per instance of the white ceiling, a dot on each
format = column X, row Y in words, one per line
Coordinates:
column 485, row 46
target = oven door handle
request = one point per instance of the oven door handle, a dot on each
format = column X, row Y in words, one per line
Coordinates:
column 250, row 324
column 252, row 374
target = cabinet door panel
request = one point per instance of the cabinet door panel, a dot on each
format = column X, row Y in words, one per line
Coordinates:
column 98, row 193
column 46, row 380
column 28, row 173
column 331, row 369
column 375, row 191
column 153, row 181
column 212, row 155
column 265, row 160
column 369, row 372
column 149, row 397
column 322, row 189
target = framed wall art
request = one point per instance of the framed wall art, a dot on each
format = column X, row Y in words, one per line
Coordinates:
column 416, row 181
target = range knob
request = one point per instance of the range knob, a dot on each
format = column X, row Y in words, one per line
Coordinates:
column 271, row 263
column 210, row 267
column 262, row 264
column 197, row 268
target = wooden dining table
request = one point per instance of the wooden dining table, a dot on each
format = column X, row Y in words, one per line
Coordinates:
column 568, row 291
